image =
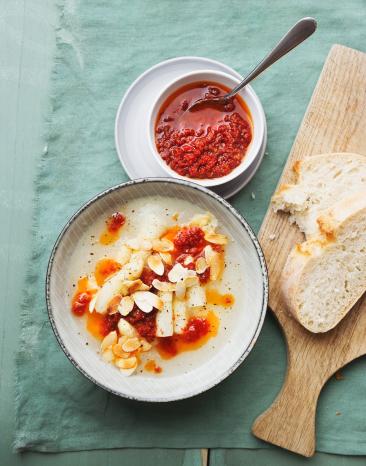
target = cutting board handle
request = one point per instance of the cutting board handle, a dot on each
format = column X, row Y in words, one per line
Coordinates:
column 290, row 421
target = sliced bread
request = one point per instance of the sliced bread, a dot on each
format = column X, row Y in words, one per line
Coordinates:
column 321, row 181
column 326, row 275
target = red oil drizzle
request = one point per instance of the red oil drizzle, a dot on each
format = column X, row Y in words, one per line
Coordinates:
column 82, row 297
column 197, row 332
column 114, row 223
column 104, row 269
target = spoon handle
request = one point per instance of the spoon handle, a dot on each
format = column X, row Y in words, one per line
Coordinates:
column 297, row 34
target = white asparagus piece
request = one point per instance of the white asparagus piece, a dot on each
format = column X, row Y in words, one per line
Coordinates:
column 164, row 318
column 180, row 315
column 196, row 296
column 115, row 285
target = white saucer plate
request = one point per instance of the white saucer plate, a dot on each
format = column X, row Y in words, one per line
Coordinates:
column 132, row 120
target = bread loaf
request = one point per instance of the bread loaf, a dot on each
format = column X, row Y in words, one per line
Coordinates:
column 326, row 275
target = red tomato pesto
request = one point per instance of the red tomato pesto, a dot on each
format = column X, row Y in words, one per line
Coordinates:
column 190, row 241
column 144, row 323
column 81, row 299
column 207, row 143
column 114, row 223
column 196, row 333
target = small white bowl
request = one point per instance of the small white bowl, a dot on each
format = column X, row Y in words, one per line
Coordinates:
column 249, row 97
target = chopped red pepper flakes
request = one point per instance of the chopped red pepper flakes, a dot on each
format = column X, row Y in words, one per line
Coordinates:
column 190, row 240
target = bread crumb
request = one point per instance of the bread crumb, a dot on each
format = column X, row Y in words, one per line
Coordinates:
column 253, row 196
column 339, row 376
column 338, row 413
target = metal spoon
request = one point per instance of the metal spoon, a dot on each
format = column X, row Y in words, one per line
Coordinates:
column 297, row 34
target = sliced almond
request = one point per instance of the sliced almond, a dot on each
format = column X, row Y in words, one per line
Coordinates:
column 188, row 260
column 191, row 281
column 201, row 265
column 180, row 290
column 109, row 340
column 206, row 221
column 145, row 345
column 215, row 261
column 167, row 258
column 134, row 244
column 126, row 355
column 114, row 304
column 146, row 301
column 146, row 245
column 127, row 372
column 108, row 355
column 200, row 220
column 125, row 328
column 133, row 269
column 162, row 245
column 129, row 363
column 216, row 238
column 118, row 351
column 92, row 302
column 123, row 255
column 132, row 344
column 156, row 264
column 122, row 339
column 126, row 305
column 139, row 244
column 180, row 273
column 136, row 285
column 163, row 286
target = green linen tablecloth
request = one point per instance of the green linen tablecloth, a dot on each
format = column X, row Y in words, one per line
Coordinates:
column 101, row 47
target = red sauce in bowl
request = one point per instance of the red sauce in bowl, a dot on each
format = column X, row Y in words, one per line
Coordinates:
column 207, row 143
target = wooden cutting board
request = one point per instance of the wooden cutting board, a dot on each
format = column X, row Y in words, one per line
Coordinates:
column 335, row 121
